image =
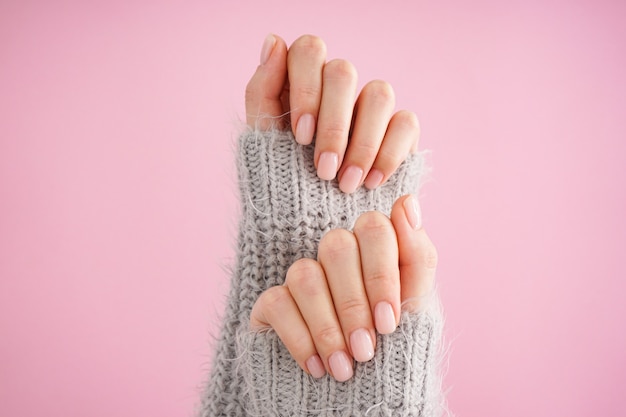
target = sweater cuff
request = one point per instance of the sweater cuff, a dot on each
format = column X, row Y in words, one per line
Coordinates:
column 290, row 208
column 401, row 379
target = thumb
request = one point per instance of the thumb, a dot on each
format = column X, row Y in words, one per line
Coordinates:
column 417, row 256
column 264, row 108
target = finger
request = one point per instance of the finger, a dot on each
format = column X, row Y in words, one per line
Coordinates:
column 335, row 115
column 277, row 309
column 373, row 111
column 307, row 284
column 417, row 254
column 401, row 138
column 339, row 256
column 264, row 107
column 379, row 261
column 305, row 61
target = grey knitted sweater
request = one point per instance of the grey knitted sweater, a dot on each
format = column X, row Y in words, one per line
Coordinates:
column 285, row 210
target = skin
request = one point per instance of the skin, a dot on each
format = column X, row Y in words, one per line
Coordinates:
column 329, row 310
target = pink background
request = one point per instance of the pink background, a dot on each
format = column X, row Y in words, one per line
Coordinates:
column 118, row 200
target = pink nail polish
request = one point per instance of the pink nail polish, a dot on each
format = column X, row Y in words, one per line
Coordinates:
column 315, row 366
column 361, row 345
column 413, row 212
column 341, row 366
column 327, row 165
column 305, row 129
column 374, row 178
column 351, row 179
column 268, row 47
column 385, row 318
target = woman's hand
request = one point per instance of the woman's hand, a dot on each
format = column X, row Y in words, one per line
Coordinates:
column 329, row 310
column 359, row 142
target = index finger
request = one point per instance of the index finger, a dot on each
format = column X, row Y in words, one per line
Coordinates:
column 305, row 62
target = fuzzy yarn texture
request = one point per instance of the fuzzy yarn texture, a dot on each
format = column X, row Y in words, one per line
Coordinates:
column 285, row 210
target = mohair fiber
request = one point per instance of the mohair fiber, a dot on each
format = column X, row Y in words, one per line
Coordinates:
column 285, row 210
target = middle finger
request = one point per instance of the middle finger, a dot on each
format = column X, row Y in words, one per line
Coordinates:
column 339, row 256
column 335, row 116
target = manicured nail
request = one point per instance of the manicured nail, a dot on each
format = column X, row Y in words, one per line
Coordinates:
column 385, row 318
column 268, row 47
column 327, row 165
column 413, row 212
column 374, row 178
column 341, row 366
column 305, row 129
column 350, row 179
column 315, row 366
column 362, row 346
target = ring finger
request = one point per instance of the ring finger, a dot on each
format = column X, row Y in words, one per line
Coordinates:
column 400, row 139
column 373, row 111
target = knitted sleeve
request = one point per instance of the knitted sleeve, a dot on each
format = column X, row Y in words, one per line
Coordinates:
column 285, row 210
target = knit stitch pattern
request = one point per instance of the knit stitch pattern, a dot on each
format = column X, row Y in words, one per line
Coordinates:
column 285, row 210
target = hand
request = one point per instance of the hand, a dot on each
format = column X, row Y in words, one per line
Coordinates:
column 360, row 143
column 329, row 309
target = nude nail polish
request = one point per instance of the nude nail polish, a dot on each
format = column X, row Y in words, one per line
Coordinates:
column 374, row 178
column 341, row 366
column 327, row 165
column 315, row 366
column 385, row 318
column 413, row 212
column 268, row 47
column 361, row 345
column 305, row 129
column 351, row 179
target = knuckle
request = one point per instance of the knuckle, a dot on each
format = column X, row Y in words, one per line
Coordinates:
column 274, row 296
column 365, row 150
column 379, row 90
column 407, row 118
column 334, row 131
column 336, row 244
column 310, row 45
column 391, row 156
column 352, row 307
column 380, row 276
column 373, row 223
column 431, row 257
column 307, row 91
column 328, row 336
column 304, row 275
column 340, row 68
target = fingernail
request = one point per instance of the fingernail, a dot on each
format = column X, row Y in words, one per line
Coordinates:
column 385, row 318
column 350, row 179
column 361, row 344
column 374, row 178
column 268, row 46
column 327, row 165
column 315, row 366
column 305, row 129
column 413, row 212
column 341, row 366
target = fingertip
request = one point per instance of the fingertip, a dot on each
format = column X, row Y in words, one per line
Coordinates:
column 268, row 46
column 264, row 107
